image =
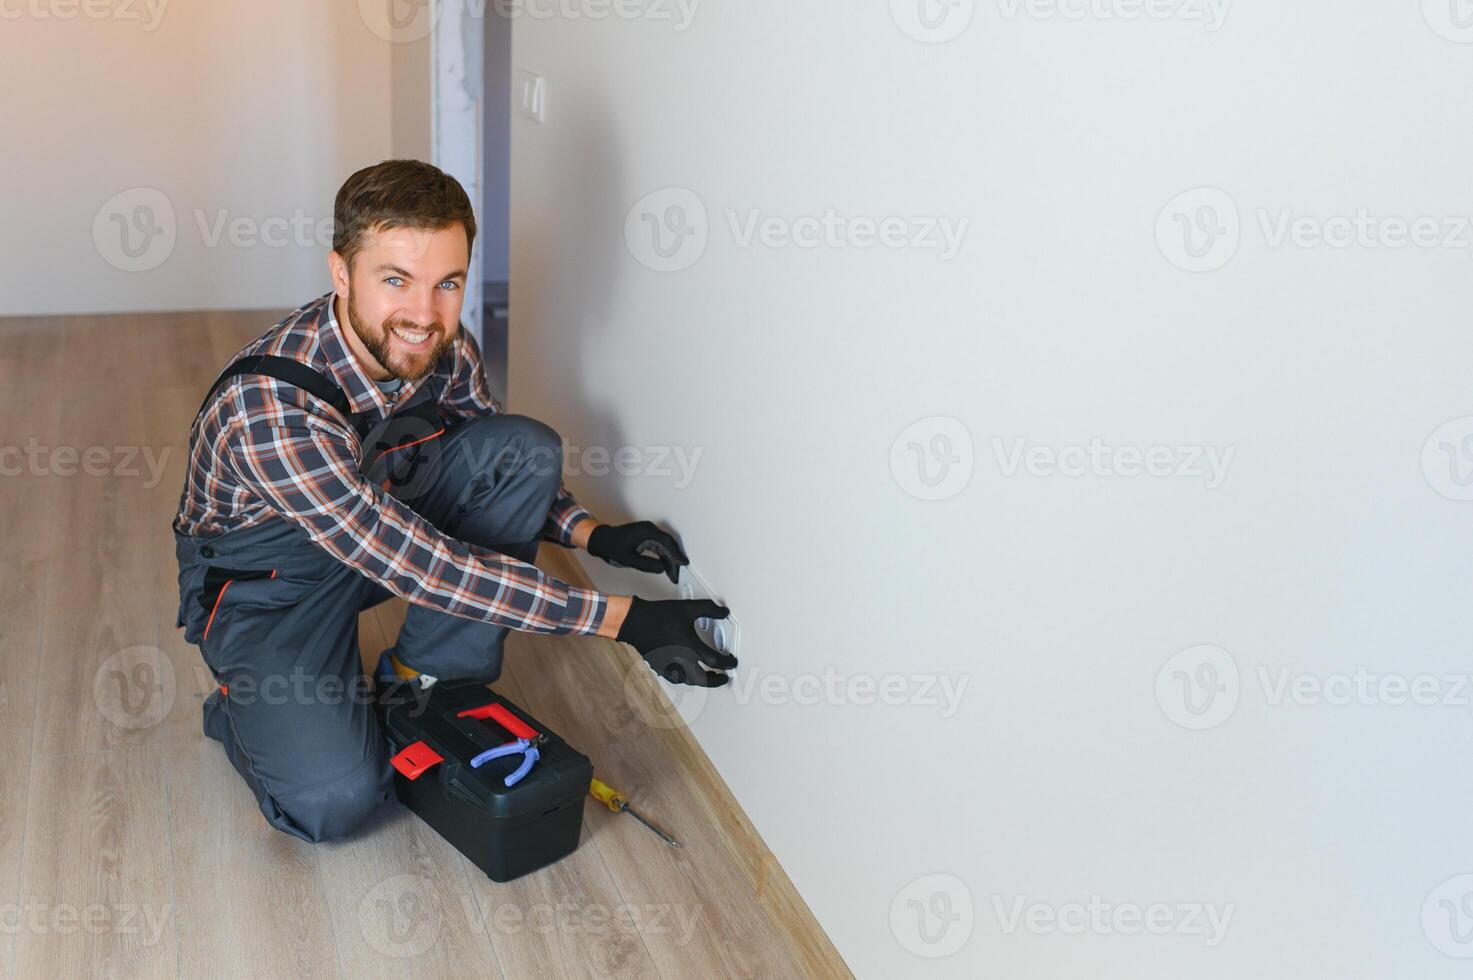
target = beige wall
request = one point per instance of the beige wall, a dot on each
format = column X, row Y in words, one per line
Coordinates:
column 410, row 99
column 254, row 111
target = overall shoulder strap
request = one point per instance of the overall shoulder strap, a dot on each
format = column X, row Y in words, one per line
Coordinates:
column 294, row 373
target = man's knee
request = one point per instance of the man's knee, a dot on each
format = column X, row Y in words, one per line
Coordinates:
column 522, row 443
column 340, row 806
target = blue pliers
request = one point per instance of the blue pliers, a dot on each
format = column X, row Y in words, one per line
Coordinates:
column 526, row 747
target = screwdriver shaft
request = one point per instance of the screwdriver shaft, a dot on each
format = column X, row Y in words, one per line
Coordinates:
column 664, row 836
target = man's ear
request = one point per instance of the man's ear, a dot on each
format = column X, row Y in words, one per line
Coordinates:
column 338, row 269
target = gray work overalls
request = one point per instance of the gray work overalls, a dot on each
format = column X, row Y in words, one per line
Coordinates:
column 276, row 616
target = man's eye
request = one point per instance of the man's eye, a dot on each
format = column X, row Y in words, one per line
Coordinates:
column 451, row 284
column 394, row 281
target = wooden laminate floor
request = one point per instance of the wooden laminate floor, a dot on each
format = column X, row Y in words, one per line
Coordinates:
column 128, row 845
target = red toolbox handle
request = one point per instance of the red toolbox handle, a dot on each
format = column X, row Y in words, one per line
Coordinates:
column 414, row 759
column 502, row 717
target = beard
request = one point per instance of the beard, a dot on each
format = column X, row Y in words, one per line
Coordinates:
column 405, row 367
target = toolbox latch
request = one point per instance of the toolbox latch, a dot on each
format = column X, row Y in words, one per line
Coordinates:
column 415, row 758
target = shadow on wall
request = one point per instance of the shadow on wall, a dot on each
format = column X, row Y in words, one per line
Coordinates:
column 568, row 287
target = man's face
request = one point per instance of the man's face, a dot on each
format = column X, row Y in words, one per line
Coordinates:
column 403, row 295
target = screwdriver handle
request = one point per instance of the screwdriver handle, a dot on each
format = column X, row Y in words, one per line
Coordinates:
column 607, row 795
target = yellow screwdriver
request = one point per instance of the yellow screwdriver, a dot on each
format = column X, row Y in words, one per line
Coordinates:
column 615, row 801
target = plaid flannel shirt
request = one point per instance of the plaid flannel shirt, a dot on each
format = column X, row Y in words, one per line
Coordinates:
column 263, row 450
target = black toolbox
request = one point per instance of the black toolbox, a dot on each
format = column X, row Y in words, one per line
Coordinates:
column 506, row 831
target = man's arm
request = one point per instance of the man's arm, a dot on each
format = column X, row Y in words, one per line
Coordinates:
column 305, row 469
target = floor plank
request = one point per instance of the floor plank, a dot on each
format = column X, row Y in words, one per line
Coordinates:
column 401, row 903
column 96, row 888
column 250, row 898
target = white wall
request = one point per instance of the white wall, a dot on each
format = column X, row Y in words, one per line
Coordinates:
column 251, row 113
column 1056, row 600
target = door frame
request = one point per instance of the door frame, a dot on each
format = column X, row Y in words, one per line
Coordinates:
column 457, row 91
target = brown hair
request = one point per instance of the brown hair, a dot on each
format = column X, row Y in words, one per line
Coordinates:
column 398, row 194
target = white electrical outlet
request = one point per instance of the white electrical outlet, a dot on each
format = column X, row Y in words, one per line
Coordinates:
column 723, row 634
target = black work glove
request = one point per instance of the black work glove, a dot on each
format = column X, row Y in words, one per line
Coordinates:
column 665, row 634
column 625, row 544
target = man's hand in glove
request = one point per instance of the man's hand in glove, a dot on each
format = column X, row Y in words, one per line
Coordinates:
column 665, row 634
column 640, row 545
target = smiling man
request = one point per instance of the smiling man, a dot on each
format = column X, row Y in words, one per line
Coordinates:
column 353, row 452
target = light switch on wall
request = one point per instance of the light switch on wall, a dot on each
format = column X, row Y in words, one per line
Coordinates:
column 532, row 94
